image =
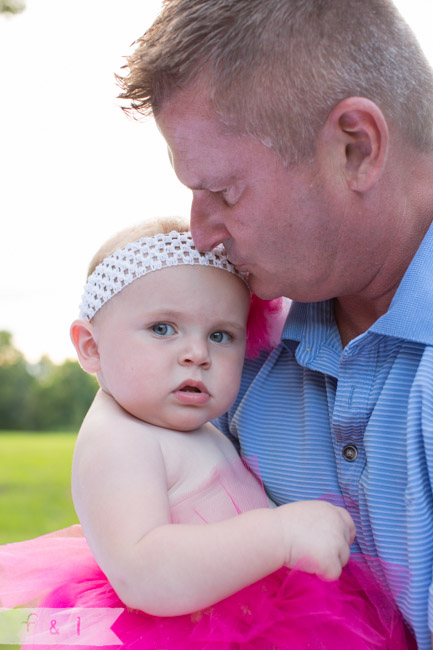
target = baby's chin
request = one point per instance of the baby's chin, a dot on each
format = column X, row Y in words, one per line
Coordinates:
column 187, row 423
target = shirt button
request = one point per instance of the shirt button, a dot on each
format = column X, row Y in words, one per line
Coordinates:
column 350, row 453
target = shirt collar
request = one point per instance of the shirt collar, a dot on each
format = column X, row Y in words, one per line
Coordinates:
column 312, row 326
column 410, row 314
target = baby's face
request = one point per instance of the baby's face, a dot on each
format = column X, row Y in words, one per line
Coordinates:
column 172, row 345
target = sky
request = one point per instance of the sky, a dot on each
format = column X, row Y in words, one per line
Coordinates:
column 73, row 168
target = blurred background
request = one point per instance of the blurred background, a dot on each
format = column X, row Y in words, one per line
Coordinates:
column 73, row 168
column 73, row 171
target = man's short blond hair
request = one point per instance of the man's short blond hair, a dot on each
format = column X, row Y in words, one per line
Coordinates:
column 276, row 68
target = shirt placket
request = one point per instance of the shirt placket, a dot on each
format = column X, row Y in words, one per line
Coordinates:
column 350, row 417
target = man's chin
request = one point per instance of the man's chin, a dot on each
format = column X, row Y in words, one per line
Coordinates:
column 262, row 288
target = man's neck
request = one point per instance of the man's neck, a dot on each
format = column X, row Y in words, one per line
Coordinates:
column 354, row 316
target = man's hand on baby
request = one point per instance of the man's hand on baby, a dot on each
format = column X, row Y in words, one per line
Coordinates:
column 316, row 537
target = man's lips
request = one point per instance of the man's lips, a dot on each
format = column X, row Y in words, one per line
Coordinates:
column 192, row 392
column 241, row 266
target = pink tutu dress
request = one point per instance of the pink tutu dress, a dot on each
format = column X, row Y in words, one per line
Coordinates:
column 70, row 604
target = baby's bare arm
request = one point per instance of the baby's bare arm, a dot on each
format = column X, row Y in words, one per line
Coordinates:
column 120, row 491
column 189, row 567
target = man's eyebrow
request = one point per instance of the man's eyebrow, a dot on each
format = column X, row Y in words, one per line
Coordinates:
column 207, row 183
column 199, row 186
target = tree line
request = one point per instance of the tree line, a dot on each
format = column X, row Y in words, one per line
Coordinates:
column 10, row 7
column 43, row 396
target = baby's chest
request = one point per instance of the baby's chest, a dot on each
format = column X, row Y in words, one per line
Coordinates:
column 191, row 457
column 213, row 486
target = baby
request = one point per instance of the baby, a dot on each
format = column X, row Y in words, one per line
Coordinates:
column 164, row 329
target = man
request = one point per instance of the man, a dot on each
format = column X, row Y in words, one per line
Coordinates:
column 304, row 129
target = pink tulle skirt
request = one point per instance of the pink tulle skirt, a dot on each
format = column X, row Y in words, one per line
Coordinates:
column 288, row 610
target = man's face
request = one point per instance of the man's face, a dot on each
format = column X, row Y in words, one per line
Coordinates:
column 273, row 220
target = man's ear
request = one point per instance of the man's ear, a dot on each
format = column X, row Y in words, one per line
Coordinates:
column 359, row 131
column 82, row 336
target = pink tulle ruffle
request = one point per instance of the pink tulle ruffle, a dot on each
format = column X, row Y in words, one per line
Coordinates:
column 288, row 610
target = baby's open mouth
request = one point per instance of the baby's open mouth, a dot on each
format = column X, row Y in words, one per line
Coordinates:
column 192, row 394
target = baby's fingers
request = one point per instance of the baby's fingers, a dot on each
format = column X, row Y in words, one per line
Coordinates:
column 349, row 526
column 332, row 570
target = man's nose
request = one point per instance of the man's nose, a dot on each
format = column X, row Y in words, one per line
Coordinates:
column 207, row 222
column 195, row 352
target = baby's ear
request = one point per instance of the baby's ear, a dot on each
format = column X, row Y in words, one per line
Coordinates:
column 82, row 336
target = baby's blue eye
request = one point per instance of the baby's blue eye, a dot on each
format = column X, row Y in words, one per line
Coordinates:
column 220, row 337
column 163, row 329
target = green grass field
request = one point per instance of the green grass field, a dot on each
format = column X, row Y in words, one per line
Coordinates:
column 35, row 477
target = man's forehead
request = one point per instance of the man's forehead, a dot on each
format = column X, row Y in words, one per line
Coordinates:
column 188, row 110
column 200, row 154
column 180, row 125
column 198, row 172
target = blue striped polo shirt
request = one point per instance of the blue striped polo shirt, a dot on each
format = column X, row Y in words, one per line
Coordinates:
column 355, row 426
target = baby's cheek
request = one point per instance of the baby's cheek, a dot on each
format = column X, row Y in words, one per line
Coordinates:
column 232, row 384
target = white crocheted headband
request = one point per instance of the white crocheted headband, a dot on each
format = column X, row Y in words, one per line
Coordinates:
column 141, row 257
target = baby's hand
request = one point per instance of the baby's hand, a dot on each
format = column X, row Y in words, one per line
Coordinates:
column 317, row 537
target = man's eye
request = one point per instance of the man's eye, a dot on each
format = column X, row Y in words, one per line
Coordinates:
column 163, row 329
column 227, row 194
column 232, row 194
column 220, row 337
